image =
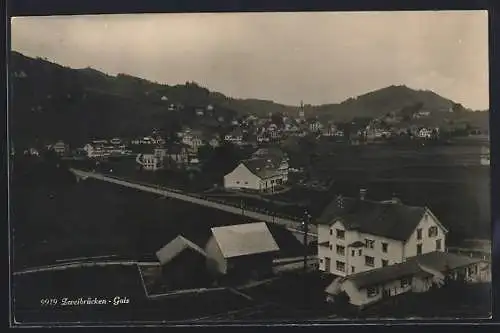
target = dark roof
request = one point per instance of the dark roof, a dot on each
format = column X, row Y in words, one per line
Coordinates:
column 175, row 247
column 261, row 167
column 388, row 219
column 269, row 152
column 439, row 261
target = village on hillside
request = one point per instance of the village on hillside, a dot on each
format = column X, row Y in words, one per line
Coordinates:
column 134, row 201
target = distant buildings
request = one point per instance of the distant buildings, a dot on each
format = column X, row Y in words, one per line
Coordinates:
column 243, row 251
column 60, row 148
column 149, row 162
column 235, row 136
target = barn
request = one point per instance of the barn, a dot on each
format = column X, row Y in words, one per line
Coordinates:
column 183, row 264
column 241, row 252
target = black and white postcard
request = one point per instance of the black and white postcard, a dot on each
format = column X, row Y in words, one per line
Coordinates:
column 206, row 168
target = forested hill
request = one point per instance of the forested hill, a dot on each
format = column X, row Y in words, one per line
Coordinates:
column 51, row 102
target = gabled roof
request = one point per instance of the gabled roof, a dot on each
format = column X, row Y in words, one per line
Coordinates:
column 175, row 247
column 439, row 261
column 269, row 152
column 244, row 239
column 261, row 167
column 390, row 219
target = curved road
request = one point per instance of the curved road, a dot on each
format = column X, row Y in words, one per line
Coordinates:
column 290, row 224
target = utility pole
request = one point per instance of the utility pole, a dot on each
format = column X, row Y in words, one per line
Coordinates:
column 306, row 230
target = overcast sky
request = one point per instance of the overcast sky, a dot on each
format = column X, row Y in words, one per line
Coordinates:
column 285, row 57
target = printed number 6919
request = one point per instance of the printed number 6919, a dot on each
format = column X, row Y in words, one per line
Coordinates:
column 48, row 301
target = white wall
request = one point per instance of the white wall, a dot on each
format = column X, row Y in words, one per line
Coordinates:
column 394, row 250
column 428, row 243
column 241, row 177
column 216, row 263
column 359, row 297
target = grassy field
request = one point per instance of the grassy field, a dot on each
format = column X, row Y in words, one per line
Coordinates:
column 54, row 217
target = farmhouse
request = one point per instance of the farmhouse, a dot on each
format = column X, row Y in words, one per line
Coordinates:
column 357, row 235
column 258, row 174
column 241, row 251
column 417, row 274
column 183, row 264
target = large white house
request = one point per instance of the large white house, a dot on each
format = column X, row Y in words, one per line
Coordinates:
column 255, row 174
column 357, row 234
column 265, row 170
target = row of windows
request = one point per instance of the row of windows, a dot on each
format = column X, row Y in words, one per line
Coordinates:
column 431, row 232
column 369, row 261
column 438, row 246
column 369, row 243
column 374, row 291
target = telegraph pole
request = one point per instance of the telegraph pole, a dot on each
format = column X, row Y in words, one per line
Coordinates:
column 306, row 230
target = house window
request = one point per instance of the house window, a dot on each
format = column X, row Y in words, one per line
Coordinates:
column 360, row 252
column 438, row 245
column 369, row 261
column 419, row 233
column 341, row 250
column 237, row 182
column 419, row 249
column 353, row 269
column 433, row 231
column 321, row 260
column 331, row 232
column 384, row 247
column 340, row 234
column 405, row 282
column 385, row 262
column 370, row 243
column 353, row 253
column 340, row 266
column 331, row 247
column 372, row 291
column 246, row 183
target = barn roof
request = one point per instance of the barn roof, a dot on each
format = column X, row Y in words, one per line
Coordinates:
column 244, row 239
column 261, row 167
column 175, row 247
column 390, row 219
column 437, row 260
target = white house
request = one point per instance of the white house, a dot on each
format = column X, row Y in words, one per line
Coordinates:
column 424, row 133
column 60, row 148
column 255, row 174
column 417, row 274
column 235, row 136
column 193, row 141
column 149, row 162
column 247, row 250
column 357, row 235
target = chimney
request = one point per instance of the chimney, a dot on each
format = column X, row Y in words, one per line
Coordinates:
column 362, row 193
